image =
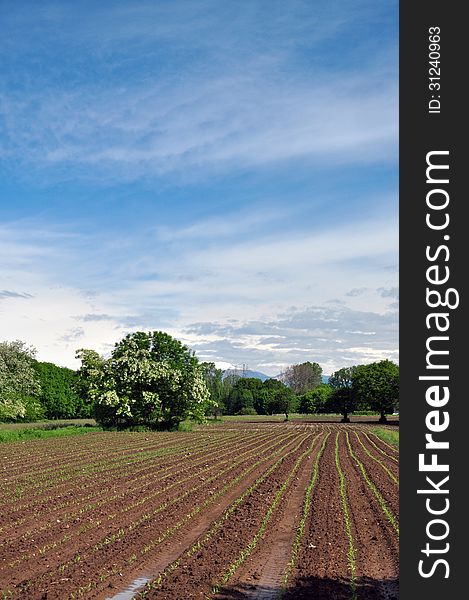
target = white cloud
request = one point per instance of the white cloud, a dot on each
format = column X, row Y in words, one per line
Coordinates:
column 221, row 286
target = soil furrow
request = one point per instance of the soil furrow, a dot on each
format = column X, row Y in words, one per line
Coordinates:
column 260, row 578
column 377, row 546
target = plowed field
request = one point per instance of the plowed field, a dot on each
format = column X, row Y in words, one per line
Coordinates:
column 242, row 510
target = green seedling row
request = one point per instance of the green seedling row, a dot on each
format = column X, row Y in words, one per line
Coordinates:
column 347, row 522
column 381, row 501
column 376, row 459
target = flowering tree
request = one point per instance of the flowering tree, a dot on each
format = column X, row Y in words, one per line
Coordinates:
column 18, row 380
column 150, row 379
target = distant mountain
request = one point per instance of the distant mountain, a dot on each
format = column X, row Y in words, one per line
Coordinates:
column 259, row 375
column 246, row 373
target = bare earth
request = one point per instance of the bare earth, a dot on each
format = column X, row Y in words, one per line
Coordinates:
column 216, row 513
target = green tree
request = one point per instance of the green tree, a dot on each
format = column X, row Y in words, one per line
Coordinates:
column 377, row 386
column 244, row 396
column 343, row 399
column 213, row 378
column 18, row 381
column 59, row 396
column 317, row 400
column 303, row 377
column 280, row 398
column 150, row 379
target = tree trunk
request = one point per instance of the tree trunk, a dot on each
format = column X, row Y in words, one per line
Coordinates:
column 382, row 418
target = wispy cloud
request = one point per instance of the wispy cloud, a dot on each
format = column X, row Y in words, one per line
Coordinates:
column 172, row 164
column 234, row 122
column 10, row 294
column 212, row 93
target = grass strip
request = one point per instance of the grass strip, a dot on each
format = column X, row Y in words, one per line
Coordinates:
column 15, row 435
column 347, row 521
column 381, row 501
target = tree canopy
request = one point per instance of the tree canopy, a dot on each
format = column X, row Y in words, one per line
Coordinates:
column 18, row 380
column 343, row 398
column 213, row 378
column 59, row 396
column 150, row 379
column 377, row 386
column 303, row 377
column 317, row 400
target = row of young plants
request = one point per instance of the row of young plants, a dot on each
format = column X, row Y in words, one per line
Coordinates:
column 306, row 509
column 86, row 509
column 394, row 452
column 372, row 487
column 389, row 437
column 132, row 558
column 52, row 477
column 218, row 524
column 103, row 576
column 375, row 458
column 345, row 507
column 149, row 516
column 33, row 459
column 93, row 524
column 271, row 509
column 351, row 552
column 126, row 466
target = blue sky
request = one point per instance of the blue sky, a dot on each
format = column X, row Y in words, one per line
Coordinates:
column 223, row 170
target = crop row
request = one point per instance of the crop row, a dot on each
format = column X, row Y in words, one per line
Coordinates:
column 144, row 483
column 299, row 532
column 347, row 521
column 94, row 523
column 141, row 478
column 64, row 473
column 217, row 525
column 250, row 547
column 371, row 485
column 377, row 460
column 173, row 502
column 391, row 454
column 44, row 456
column 89, row 480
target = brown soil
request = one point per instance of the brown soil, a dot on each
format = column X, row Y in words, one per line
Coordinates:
column 117, row 507
column 199, row 573
column 376, row 542
column 322, row 572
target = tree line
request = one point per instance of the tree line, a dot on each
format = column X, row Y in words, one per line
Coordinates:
column 154, row 380
column 373, row 387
